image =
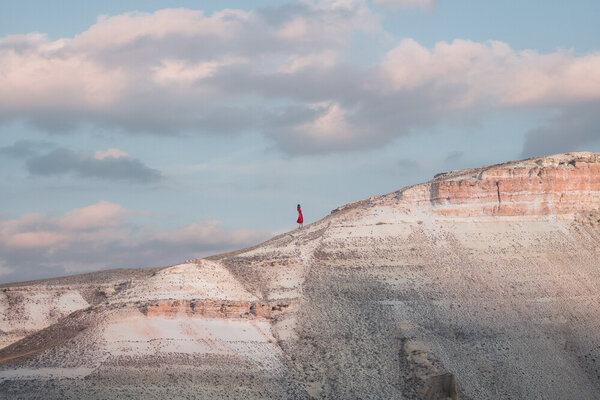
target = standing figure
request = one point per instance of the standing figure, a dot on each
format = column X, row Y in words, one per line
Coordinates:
column 300, row 219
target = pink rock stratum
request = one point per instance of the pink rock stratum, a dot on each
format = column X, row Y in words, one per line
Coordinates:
column 481, row 284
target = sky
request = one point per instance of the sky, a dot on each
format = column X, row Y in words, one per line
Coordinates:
column 145, row 133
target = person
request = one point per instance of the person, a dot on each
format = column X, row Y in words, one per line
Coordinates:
column 300, row 219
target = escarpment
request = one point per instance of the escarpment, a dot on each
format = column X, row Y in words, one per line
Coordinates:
column 481, row 283
column 553, row 185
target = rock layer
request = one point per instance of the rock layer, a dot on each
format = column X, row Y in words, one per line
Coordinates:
column 554, row 185
column 216, row 309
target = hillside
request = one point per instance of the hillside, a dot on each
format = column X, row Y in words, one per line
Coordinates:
column 479, row 284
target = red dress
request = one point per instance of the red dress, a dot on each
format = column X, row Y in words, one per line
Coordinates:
column 300, row 218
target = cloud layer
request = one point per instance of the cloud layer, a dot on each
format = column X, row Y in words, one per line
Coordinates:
column 110, row 165
column 574, row 129
column 282, row 71
column 101, row 236
column 426, row 4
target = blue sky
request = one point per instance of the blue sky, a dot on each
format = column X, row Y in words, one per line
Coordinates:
column 171, row 130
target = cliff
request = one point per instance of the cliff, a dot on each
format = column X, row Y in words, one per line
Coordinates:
column 481, row 283
column 553, row 185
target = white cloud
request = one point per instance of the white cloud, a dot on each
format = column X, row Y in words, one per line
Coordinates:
column 492, row 73
column 180, row 70
column 112, row 32
column 156, row 72
column 294, row 29
column 330, row 128
column 320, row 61
column 426, row 4
column 100, row 236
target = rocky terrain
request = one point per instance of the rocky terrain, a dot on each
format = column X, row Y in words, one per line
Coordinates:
column 479, row 284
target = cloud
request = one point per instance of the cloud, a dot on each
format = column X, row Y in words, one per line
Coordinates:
column 426, row 4
column 406, row 167
column 113, row 165
column 102, row 236
column 454, row 156
column 492, row 74
column 24, row 148
column 110, row 153
column 406, row 164
column 209, row 233
column 163, row 72
column 575, row 128
column 4, row 270
column 283, row 71
column 152, row 72
column 100, row 215
column 319, row 127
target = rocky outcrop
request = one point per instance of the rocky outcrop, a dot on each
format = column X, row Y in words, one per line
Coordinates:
column 553, row 185
column 216, row 308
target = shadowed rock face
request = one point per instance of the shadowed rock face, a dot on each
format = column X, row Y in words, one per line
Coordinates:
column 481, row 283
column 440, row 387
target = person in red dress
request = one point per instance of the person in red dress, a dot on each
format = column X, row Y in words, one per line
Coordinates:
column 300, row 219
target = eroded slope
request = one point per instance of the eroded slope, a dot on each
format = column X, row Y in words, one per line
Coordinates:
column 488, row 277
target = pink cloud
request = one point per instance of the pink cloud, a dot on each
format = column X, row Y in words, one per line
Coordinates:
column 141, row 72
column 30, row 240
column 43, row 231
column 100, row 215
column 83, row 70
column 33, row 77
column 110, row 153
column 210, row 232
column 100, row 236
